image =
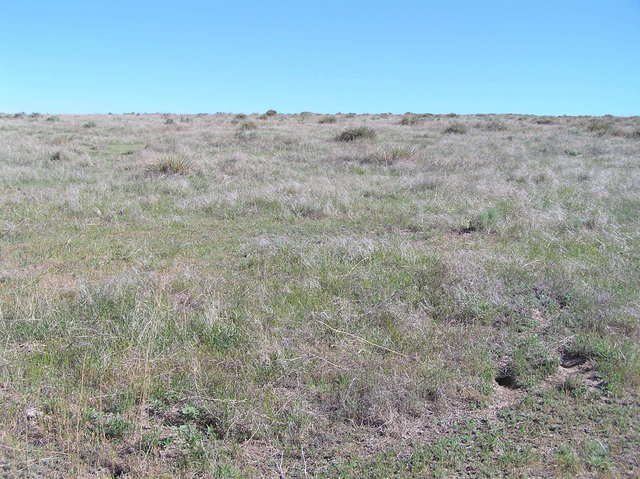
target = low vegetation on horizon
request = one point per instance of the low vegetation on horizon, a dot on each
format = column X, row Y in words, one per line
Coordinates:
column 326, row 296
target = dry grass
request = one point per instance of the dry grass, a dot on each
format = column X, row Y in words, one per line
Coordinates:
column 210, row 299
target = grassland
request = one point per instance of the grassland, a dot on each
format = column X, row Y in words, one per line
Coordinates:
column 300, row 296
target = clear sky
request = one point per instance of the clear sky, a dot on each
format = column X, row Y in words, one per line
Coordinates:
column 191, row 56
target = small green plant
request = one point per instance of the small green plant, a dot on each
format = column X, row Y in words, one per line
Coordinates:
column 529, row 363
column 52, row 118
column 353, row 134
column 483, row 221
column 271, row 113
column 597, row 455
column 89, row 124
column 169, row 121
column 114, row 427
column 153, row 440
column 566, row 459
column 455, row 128
column 573, row 386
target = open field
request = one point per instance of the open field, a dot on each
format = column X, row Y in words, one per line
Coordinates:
column 226, row 296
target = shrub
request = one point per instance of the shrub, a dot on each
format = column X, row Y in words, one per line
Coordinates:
column 455, row 128
column 602, row 127
column 89, row 124
column 360, row 133
column 271, row 113
column 327, row 119
column 169, row 121
column 240, row 116
column 52, row 118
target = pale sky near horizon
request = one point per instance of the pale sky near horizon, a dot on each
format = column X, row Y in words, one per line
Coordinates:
column 540, row 57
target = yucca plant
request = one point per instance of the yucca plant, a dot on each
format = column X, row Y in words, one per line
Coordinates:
column 173, row 165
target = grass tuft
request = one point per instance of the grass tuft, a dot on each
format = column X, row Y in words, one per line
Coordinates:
column 327, row 119
column 353, row 134
column 173, row 165
column 455, row 128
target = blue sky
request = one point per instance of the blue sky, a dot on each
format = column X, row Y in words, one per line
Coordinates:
column 540, row 57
